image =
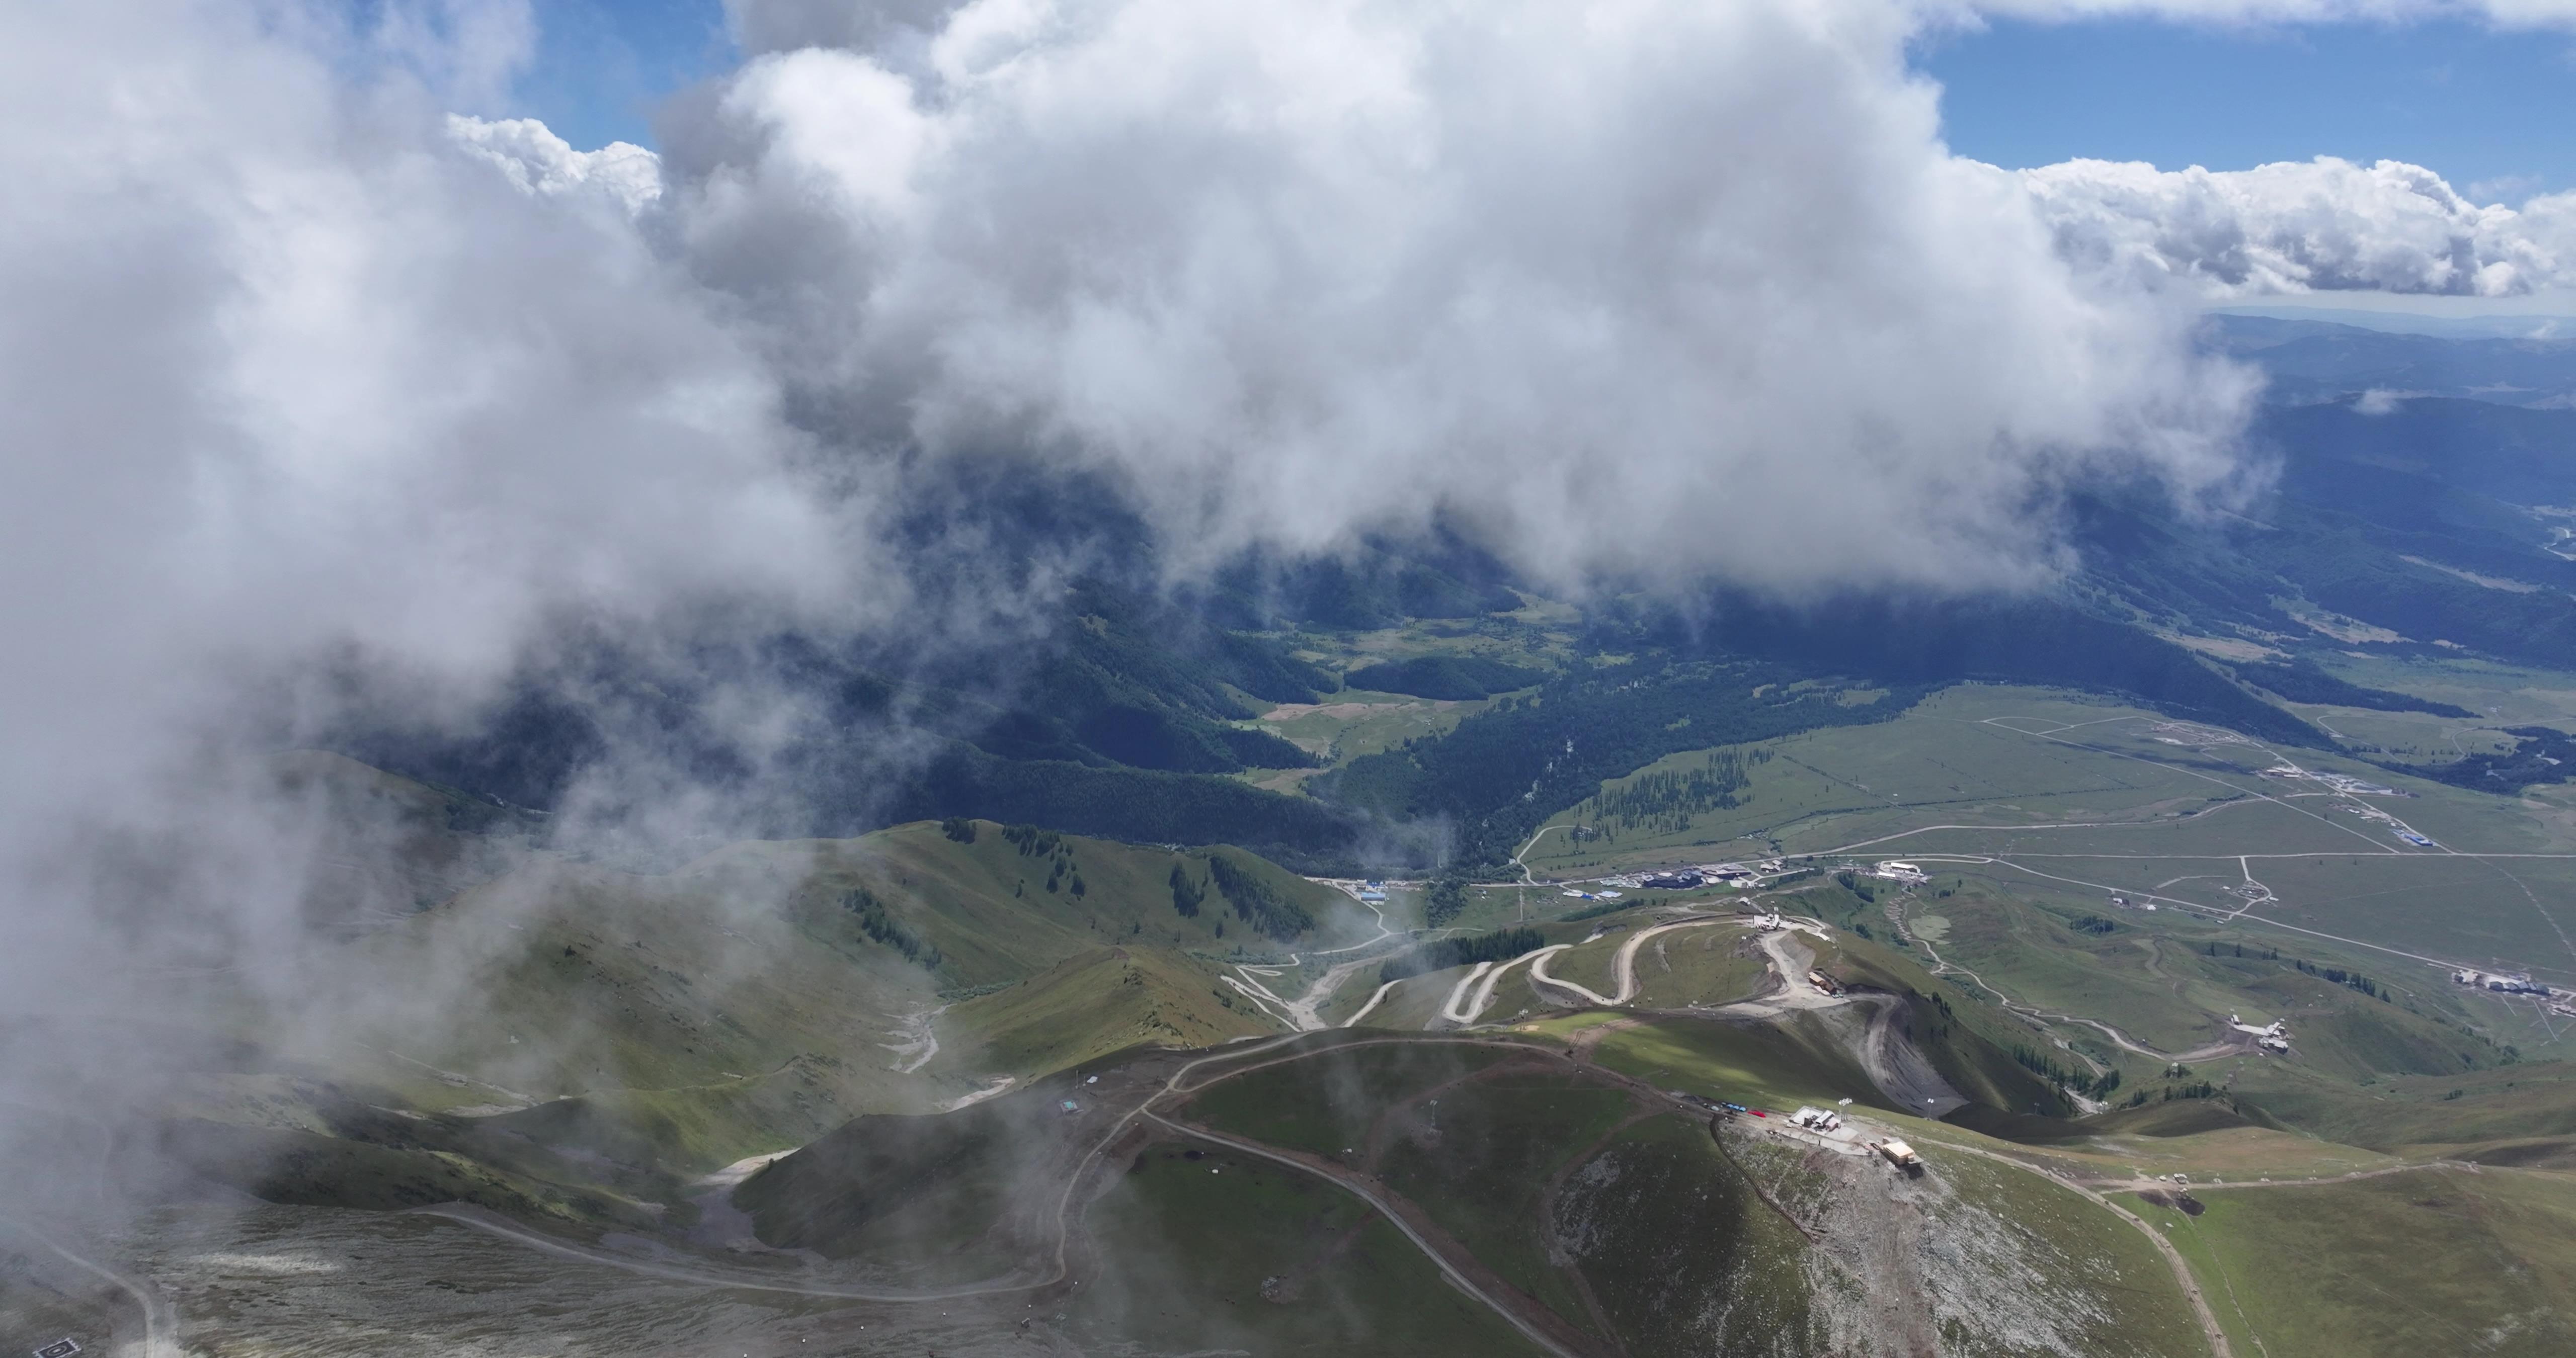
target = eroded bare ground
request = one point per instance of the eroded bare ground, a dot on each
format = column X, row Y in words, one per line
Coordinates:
column 1914, row 1266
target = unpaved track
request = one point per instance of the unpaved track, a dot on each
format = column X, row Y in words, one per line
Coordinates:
column 1382, row 992
column 1943, row 966
column 718, row 1277
column 2158, row 1185
column 1357, row 1186
column 1305, row 1013
column 1458, row 994
column 1539, row 971
column 160, row 1319
column 1486, row 980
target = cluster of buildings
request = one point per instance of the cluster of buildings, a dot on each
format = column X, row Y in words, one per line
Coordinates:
column 2333, row 782
column 1897, row 870
column 2273, row 1037
column 2561, row 1002
column 2518, row 984
column 1687, row 879
column 1817, row 1119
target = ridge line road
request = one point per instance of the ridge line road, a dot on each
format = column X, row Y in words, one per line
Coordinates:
column 1176, row 1083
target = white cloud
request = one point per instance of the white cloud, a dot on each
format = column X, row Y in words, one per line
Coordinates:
column 2296, row 227
column 291, row 383
column 1644, row 286
column 294, row 367
column 2511, row 14
column 538, row 161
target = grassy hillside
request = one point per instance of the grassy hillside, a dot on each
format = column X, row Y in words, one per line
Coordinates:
column 921, row 1196
column 1091, row 1004
column 1223, row 1253
column 2431, row 1261
column 568, row 1042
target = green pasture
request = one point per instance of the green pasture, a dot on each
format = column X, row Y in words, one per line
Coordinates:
column 1766, row 1065
column 1327, row 1103
column 1206, row 1251
column 1355, row 722
column 1712, row 966
column 1478, row 1158
column 2422, row 1262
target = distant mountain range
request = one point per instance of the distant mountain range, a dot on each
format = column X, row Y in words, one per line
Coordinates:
column 2423, row 502
column 2311, row 360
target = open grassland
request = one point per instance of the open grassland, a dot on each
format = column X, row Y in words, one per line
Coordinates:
column 1479, row 1158
column 2089, row 798
column 1001, row 907
column 2520, row 1114
column 1939, row 762
column 1761, row 1065
column 1092, row 1004
column 1699, row 967
column 1326, row 1104
column 2130, row 975
column 1411, row 1006
column 1589, row 964
column 1213, row 1253
column 920, row 1198
column 583, row 981
column 1356, row 722
column 2508, row 695
column 597, row 1040
column 2198, row 1137
column 2434, row 1261
column 2169, row 980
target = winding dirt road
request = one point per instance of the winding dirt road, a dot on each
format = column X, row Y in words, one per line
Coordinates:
column 711, row 1276
column 160, row 1319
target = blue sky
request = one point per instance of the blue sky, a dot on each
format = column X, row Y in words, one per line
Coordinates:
column 602, row 65
column 2481, row 108
column 2484, row 109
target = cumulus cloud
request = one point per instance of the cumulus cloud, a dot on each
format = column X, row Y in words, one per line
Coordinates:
column 2510, row 14
column 302, row 376
column 292, row 385
column 2321, row 225
column 1640, row 287
column 530, row 155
